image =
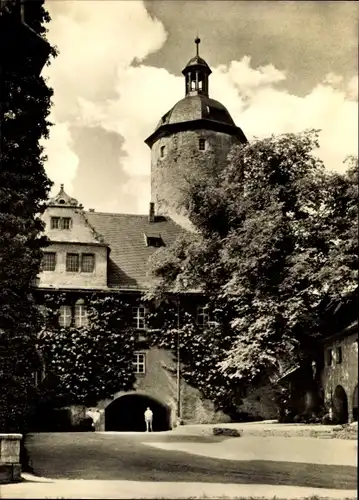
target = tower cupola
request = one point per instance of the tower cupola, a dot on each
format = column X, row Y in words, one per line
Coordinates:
column 196, row 74
column 191, row 140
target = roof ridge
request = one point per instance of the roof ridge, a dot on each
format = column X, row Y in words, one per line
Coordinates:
column 115, row 213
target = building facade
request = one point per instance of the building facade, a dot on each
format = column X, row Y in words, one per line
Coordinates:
column 109, row 253
column 340, row 374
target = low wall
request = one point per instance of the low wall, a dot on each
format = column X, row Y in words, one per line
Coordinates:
column 10, row 467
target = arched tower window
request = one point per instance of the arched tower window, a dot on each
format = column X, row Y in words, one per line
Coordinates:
column 162, row 151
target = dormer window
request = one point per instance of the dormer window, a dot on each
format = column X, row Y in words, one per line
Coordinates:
column 154, row 240
column 202, row 144
column 162, row 151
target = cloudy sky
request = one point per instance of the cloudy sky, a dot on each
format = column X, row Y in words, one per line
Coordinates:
column 277, row 66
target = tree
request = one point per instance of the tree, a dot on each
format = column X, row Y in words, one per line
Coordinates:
column 24, row 187
column 88, row 363
column 274, row 243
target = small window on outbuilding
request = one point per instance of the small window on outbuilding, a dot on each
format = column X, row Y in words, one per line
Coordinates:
column 202, row 144
column 329, row 357
column 162, row 151
column 338, row 355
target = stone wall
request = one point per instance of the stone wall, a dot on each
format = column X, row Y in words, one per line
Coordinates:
column 182, row 162
column 10, row 468
column 344, row 373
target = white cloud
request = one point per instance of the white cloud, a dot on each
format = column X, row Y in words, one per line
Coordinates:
column 96, row 84
column 62, row 162
column 352, row 87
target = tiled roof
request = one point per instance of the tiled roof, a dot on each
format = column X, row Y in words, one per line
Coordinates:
column 125, row 234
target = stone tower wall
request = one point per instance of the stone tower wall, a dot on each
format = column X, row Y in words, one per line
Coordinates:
column 183, row 162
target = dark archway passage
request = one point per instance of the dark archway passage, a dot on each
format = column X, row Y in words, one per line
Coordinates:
column 127, row 414
column 340, row 403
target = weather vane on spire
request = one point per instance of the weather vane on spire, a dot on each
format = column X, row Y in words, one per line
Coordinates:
column 197, row 41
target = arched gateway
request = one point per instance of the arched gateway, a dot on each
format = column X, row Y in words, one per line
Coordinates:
column 126, row 413
column 340, row 405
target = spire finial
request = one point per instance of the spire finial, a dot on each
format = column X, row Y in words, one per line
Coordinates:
column 197, row 41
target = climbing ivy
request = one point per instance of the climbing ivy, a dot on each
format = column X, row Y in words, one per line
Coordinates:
column 88, row 363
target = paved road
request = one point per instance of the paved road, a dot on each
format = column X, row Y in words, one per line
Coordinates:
column 125, row 456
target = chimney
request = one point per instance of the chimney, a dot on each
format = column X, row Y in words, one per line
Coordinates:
column 91, row 209
column 151, row 215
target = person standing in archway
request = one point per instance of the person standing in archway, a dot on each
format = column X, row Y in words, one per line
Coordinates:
column 148, row 420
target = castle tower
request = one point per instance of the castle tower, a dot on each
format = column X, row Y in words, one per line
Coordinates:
column 191, row 139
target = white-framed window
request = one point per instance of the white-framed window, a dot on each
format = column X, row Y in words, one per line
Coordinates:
column 202, row 316
column 87, row 262
column 72, row 262
column 49, row 261
column 139, row 362
column 65, row 316
column 81, row 315
column 139, row 314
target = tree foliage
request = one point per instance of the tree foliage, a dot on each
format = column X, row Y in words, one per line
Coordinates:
column 88, row 363
column 24, row 186
column 275, row 242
